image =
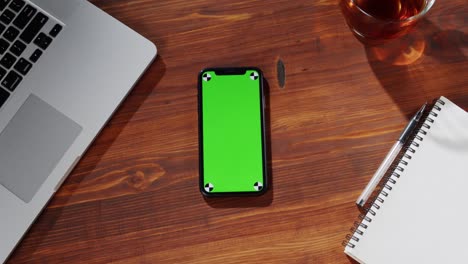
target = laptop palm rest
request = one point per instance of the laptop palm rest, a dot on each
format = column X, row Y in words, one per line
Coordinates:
column 32, row 144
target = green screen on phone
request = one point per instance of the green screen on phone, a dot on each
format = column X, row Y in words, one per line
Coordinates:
column 232, row 133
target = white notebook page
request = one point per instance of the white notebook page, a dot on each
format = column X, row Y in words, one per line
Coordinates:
column 424, row 218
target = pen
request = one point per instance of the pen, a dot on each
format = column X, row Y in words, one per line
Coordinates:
column 407, row 132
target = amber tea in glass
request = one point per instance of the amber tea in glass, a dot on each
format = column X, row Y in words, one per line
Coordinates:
column 374, row 21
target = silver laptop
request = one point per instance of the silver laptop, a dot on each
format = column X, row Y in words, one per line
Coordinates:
column 65, row 66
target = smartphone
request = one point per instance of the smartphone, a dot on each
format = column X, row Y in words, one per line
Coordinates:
column 232, row 132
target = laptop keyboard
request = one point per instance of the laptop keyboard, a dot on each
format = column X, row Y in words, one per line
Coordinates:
column 21, row 26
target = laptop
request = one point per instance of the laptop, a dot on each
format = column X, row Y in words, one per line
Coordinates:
column 65, row 66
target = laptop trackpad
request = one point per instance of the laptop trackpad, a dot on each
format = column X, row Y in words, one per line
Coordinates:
column 32, row 144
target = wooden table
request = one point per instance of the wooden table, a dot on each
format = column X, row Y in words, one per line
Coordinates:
column 134, row 196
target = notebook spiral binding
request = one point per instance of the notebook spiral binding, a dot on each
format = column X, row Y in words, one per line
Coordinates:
column 359, row 227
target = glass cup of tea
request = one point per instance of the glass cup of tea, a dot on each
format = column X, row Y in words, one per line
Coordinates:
column 376, row 21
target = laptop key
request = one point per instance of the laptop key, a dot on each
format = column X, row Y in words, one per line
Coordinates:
column 3, row 4
column 7, row 16
column 3, row 96
column 34, row 27
column 12, row 80
column 23, row 66
column 11, row 33
column 36, row 55
column 3, row 72
column 43, row 41
column 16, row 5
column 2, row 28
column 55, row 30
column 3, row 46
column 17, row 48
column 24, row 17
column 8, row 60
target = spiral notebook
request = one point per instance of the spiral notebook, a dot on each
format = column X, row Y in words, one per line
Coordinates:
column 421, row 215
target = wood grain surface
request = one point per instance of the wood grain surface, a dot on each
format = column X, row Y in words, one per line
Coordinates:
column 134, row 196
